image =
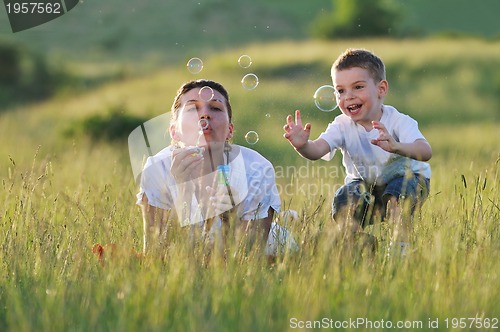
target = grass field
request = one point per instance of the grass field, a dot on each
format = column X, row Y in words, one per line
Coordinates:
column 61, row 195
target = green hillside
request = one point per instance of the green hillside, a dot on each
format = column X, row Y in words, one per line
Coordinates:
column 164, row 30
column 453, row 17
column 142, row 31
column 437, row 82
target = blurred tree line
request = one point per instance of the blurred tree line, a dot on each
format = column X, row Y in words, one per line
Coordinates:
column 24, row 75
column 359, row 18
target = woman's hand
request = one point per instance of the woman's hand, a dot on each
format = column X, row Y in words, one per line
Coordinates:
column 186, row 163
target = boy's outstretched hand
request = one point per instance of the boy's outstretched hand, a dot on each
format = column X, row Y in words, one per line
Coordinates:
column 295, row 133
column 384, row 139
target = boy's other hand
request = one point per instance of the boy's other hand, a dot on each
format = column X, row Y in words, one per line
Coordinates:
column 418, row 150
column 384, row 140
column 295, row 133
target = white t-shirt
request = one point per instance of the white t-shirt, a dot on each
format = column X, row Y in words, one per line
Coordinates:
column 362, row 159
column 250, row 174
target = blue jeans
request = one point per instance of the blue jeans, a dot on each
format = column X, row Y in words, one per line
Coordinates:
column 363, row 199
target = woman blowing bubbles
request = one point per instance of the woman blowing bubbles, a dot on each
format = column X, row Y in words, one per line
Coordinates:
column 208, row 185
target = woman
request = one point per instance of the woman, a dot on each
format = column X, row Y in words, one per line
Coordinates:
column 203, row 181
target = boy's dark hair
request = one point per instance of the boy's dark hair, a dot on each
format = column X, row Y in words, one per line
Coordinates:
column 361, row 58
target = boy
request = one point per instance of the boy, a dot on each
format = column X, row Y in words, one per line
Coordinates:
column 384, row 152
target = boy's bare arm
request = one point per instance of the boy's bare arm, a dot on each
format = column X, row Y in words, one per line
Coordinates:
column 314, row 150
column 298, row 136
column 418, row 150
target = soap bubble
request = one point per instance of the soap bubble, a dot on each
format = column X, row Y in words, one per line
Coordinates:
column 250, row 81
column 245, row 61
column 206, row 93
column 268, row 115
column 203, row 123
column 325, row 98
column 252, row 137
column 195, row 65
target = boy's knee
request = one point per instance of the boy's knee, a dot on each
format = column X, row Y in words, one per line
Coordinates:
column 403, row 203
column 407, row 193
column 391, row 200
column 344, row 198
column 353, row 201
column 392, row 204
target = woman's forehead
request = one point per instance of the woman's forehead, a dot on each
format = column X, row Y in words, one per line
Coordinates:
column 194, row 95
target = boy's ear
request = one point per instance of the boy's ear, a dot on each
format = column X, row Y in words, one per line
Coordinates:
column 383, row 88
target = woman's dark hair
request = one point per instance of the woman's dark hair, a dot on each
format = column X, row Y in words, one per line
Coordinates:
column 199, row 84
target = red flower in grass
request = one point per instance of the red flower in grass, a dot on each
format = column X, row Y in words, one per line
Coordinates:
column 109, row 250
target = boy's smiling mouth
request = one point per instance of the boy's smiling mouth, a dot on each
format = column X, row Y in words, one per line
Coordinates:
column 354, row 109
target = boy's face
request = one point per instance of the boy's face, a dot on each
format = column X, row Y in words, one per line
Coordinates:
column 358, row 95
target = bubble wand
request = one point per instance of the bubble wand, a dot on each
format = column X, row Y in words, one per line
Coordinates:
column 222, row 171
column 203, row 124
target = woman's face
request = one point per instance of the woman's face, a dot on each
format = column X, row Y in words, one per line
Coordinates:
column 202, row 118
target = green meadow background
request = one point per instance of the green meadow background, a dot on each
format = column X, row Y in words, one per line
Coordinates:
column 67, row 182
